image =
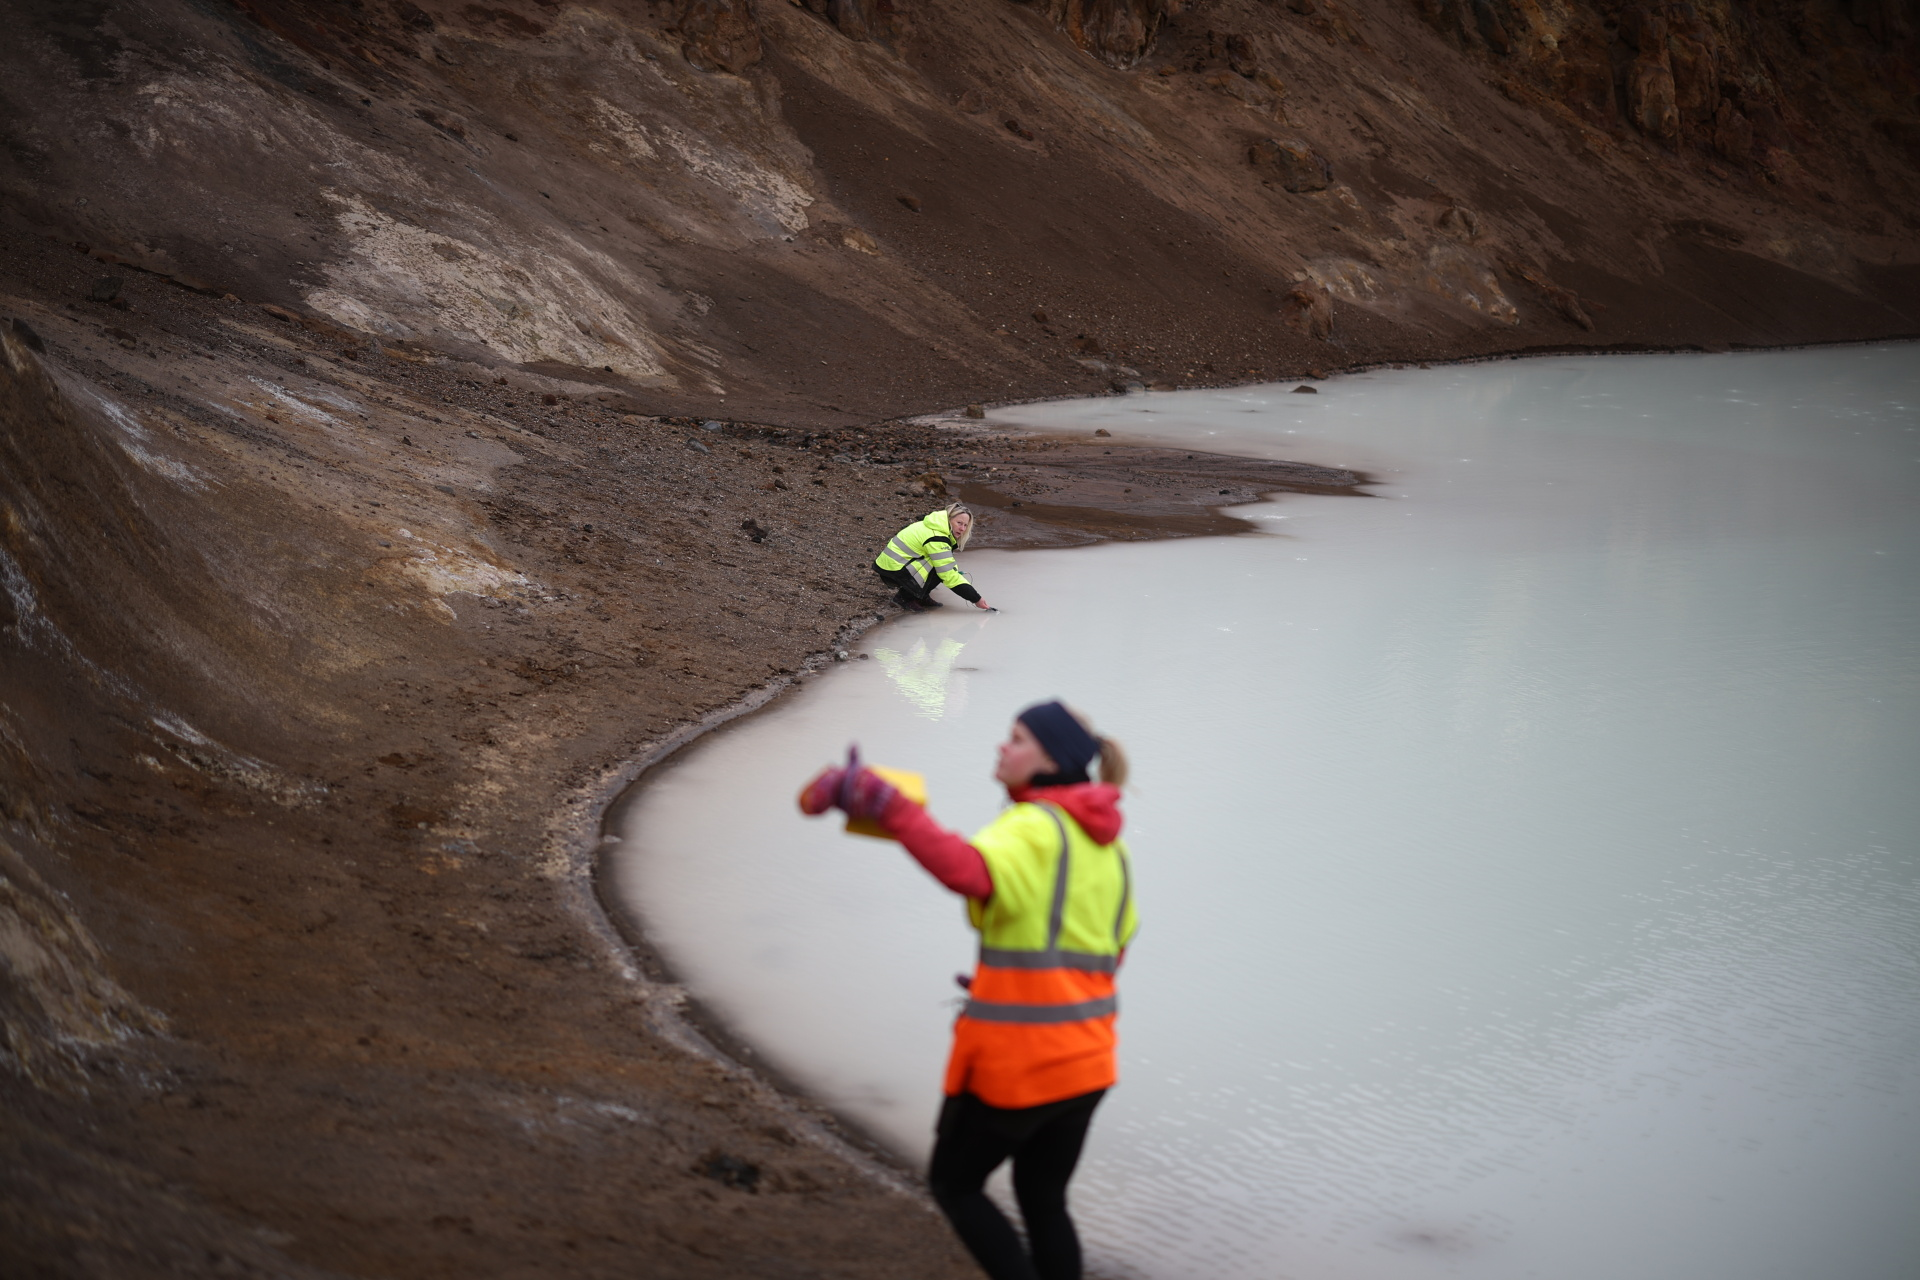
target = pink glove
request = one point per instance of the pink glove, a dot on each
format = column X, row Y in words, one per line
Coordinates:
column 818, row 796
column 863, row 794
column 866, row 794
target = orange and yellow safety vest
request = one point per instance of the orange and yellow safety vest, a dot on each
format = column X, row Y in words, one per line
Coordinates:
column 1039, row 1023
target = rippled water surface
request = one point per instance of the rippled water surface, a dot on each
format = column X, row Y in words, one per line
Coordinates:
column 1528, row 855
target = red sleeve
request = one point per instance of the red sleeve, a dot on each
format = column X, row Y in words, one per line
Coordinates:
column 953, row 862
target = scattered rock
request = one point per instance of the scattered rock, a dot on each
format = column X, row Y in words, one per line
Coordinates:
column 712, row 424
column 912, row 203
column 1019, row 130
column 976, row 411
column 1304, row 390
column 448, row 489
column 106, row 289
column 1295, row 164
column 752, row 529
column 732, row 1171
column 1040, row 317
column 697, row 447
column 1459, row 221
column 1102, row 431
column 860, row 242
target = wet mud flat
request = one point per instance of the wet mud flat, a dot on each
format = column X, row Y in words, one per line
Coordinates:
column 299, row 821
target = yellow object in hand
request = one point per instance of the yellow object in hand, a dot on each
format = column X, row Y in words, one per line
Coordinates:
column 911, row 785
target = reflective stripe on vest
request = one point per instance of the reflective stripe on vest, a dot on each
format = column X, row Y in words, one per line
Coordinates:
column 1053, row 957
column 991, row 1011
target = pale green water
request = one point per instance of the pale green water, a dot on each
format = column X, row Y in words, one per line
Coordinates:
column 1529, row 857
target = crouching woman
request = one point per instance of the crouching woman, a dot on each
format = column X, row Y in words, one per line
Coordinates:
column 1050, row 890
column 922, row 556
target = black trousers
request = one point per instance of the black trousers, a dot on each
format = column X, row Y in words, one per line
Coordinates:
column 905, row 588
column 1044, row 1143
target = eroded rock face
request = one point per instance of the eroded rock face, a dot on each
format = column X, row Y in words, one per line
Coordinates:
column 721, row 35
column 883, row 20
column 1732, row 134
column 1695, row 76
column 1309, row 308
column 1650, row 96
column 1118, row 32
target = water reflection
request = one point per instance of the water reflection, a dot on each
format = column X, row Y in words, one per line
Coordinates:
column 926, row 676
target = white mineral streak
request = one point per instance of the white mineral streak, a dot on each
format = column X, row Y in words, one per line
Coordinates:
column 437, row 571
column 138, row 444
column 765, row 194
column 529, row 303
column 56, row 995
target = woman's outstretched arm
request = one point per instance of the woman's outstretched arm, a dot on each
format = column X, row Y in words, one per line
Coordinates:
column 953, row 862
column 945, row 854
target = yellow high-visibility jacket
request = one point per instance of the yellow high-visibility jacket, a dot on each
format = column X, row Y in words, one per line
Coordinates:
column 1039, row 1023
column 925, row 550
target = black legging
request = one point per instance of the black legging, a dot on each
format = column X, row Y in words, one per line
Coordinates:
column 1044, row 1142
column 905, row 588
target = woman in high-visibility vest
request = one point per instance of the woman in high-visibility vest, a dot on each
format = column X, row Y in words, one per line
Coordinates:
column 1050, row 890
column 921, row 557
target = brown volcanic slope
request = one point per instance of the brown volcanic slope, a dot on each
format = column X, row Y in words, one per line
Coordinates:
column 359, row 532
